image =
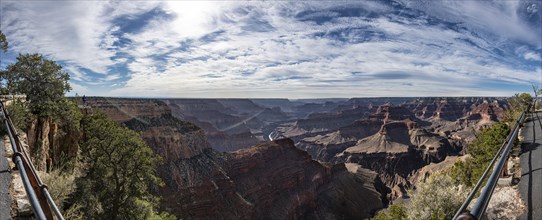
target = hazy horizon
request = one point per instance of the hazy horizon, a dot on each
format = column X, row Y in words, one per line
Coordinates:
column 307, row 49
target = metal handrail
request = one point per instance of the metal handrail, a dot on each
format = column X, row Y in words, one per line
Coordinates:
column 32, row 197
column 483, row 200
column 38, row 194
column 43, row 187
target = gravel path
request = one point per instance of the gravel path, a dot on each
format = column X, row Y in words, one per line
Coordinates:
column 530, row 186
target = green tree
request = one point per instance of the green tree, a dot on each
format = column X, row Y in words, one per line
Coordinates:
column 3, row 48
column 482, row 150
column 118, row 169
column 517, row 104
column 3, row 42
column 41, row 80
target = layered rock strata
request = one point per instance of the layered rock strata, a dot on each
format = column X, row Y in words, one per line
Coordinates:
column 272, row 180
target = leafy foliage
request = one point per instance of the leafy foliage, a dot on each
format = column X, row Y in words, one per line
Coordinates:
column 60, row 185
column 68, row 114
column 396, row 212
column 517, row 104
column 3, row 42
column 3, row 48
column 482, row 150
column 118, row 168
column 19, row 113
column 438, row 197
column 41, row 80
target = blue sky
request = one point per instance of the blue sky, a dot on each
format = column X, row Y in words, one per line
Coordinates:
column 297, row 49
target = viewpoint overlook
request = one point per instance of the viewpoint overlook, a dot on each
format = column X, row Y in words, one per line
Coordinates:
column 374, row 109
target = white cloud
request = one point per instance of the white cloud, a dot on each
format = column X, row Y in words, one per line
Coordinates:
column 78, row 89
column 260, row 49
column 71, row 31
column 532, row 56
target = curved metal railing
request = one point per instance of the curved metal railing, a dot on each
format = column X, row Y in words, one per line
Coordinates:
column 502, row 154
column 40, row 199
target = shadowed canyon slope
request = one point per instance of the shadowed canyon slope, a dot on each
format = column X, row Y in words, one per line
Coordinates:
column 342, row 159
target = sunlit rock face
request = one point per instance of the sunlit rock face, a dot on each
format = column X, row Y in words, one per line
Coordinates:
column 396, row 138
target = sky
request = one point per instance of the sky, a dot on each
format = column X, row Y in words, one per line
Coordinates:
column 283, row 49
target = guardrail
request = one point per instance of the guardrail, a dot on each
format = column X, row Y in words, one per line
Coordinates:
column 480, row 207
column 41, row 201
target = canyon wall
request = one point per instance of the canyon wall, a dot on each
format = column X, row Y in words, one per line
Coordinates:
column 388, row 140
column 272, row 180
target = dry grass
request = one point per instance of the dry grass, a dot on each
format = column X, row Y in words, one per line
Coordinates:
column 60, row 186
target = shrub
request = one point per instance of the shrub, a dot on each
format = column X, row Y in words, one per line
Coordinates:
column 482, row 150
column 60, row 186
column 19, row 113
column 396, row 212
column 437, row 198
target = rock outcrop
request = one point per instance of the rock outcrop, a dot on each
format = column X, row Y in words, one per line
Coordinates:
column 273, row 181
column 53, row 143
column 392, row 141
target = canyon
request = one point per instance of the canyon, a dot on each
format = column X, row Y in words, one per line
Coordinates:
column 297, row 159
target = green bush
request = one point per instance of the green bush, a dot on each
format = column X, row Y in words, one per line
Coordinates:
column 396, row 212
column 19, row 113
column 516, row 105
column 60, row 186
column 68, row 115
column 482, row 151
column 438, row 197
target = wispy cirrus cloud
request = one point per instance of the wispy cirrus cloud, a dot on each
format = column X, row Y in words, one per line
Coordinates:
column 286, row 49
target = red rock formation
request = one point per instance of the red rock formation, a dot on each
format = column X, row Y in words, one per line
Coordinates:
column 268, row 181
column 273, row 181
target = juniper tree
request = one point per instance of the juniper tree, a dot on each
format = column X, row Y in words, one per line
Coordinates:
column 118, row 169
column 42, row 81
